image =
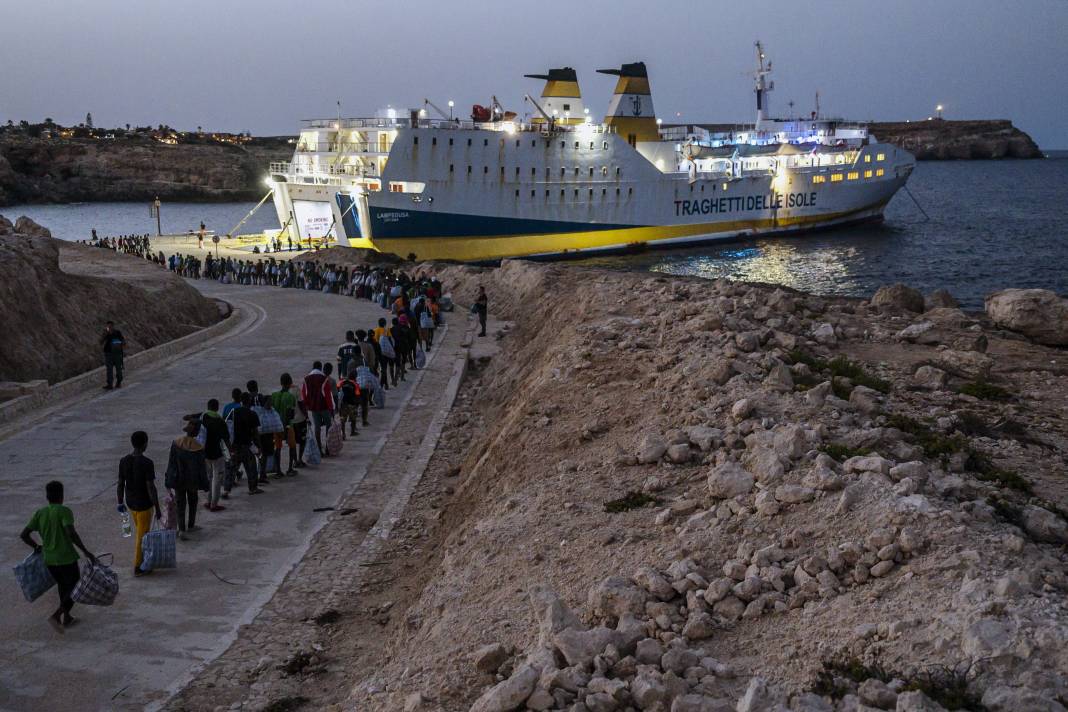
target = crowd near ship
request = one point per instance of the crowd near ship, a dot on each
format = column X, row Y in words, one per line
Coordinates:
column 558, row 183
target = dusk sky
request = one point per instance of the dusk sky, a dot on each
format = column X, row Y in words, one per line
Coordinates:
column 263, row 65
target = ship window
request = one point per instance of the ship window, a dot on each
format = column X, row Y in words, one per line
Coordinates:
column 562, row 144
column 450, row 141
column 561, row 194
column 576, row 170
column 867, row 158
column 517, row 143
column 485, row 142
column 546, row 192
column 880, row 172
column 591, row 171
column 533, row 193
column 702, row 187
column 415, row 140
column 819, row 179
column 451, row 167
column 433, row 140
column 591, row 145
column 867, row 174
column 485, row 170
column 533, row 143
column 576, row 192
column 617, row 191
column 533, row 171
column 618, row 170
column 469, row 169
column 853, row 175
column 502, row 171
column 468, row 142
column 836, row 177
column 517, row 171
column 724, row 186
column 576, row 144
column 562, row 170
column 567, row 107
column 630, row 191
column 517, row 192
column 881, row 157
column 604, row 170
column 605, row 145
column 591, row 192
column 604, row 191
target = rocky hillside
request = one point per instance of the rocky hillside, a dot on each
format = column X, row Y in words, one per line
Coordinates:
column 59, row 170
column 56, row 296
column 679, row 495
column 940, row 140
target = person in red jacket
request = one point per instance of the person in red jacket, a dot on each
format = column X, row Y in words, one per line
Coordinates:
column 318, row 398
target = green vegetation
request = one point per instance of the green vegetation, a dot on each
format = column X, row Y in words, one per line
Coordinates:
column 951, row 687
column 631, row 500
column 841, row 453
column 937, row 446
column 836, row 368
column 984, row 390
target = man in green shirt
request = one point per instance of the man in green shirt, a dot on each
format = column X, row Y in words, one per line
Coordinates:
column 55, row 525
column 285, row 403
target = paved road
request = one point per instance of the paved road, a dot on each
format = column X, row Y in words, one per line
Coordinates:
column 125, row 656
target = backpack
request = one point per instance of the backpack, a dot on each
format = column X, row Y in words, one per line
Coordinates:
column 350, row 392
column 385, row 342
column 425, row 320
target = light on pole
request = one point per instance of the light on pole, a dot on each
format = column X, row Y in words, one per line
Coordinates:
column 451, row 104
column 938, row 110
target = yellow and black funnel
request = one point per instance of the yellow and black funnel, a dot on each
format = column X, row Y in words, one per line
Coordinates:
column 631, row 109
column 561, row 97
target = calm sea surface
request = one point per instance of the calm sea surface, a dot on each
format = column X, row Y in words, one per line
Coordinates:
column 991, row 224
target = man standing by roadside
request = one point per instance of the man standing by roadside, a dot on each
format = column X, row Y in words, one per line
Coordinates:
column 187, row 474
column 216, row 452
column 481, row 309
column 346, row 353
column 246, row 432
column 285, row 402
column 137, row 492
column 55, row 524
column 113, row 344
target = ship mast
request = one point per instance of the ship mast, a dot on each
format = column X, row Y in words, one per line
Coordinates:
column 763, row 86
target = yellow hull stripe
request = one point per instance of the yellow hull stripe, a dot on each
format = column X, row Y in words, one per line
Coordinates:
column 479, row 249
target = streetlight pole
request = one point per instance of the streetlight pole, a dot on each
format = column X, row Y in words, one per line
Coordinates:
column 938, row 109
column 159, row 224
column 451, row 104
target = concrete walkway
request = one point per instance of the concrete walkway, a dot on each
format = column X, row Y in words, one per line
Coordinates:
column 161, row 626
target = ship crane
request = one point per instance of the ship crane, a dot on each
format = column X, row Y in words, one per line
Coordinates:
column 549, row 119
column 435, row 107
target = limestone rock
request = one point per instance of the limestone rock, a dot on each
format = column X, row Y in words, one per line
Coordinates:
column 899, row 297
column 741, row 409
column 939, row 299
column 648, row 691
column 679, row 453
column 1039, row 314
column 930, row 378
column 1044, row 525
column 824, row 334
column 875, row 693
column 759, row 697
column 729, row 480
column 615, row 596
column 26, row 226
column 916, row 701
column 704, row 437
column 579, row 647
column 970, row 364
column 509, row 694
column 652, row 448
column 865, row 399
column 699, row 626
column 794, row 494
column 867, row 463
column 652, row 581
column 490, row 657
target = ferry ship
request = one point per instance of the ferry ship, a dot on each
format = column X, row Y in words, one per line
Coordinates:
column 560, row 183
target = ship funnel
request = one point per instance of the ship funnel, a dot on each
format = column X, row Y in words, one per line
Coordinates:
column 561, row 98
column 631, row 109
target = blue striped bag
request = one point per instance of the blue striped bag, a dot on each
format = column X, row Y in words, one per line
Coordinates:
column 33, row 576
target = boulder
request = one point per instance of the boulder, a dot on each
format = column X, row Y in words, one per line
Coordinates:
column 509, row 694
column 26, row 226
column 729, row 480
column 579, row 647
column 939, row 299
column 615, row 596
column 898, row 297
column 653, row 581
column 916, row 701
column 704, row 437
column 651, row 449
column 1044, row 525
column 6, row 228
column 648, row 692
column 759, row 697
column 875, row 693
column 679, row 453
column 930, row 378
column 490, row 657
column 970, row 364
column 867, row 463
column 865, row 399
column 794, row 494
column 1039, row 314
column 824, row 334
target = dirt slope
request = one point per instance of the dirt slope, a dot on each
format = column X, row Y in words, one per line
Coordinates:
column 54, row 305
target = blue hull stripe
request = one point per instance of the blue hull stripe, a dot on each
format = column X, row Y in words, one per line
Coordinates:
column 399, row 223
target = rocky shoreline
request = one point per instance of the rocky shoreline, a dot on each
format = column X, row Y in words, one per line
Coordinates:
column 671, row 494
column 941, row 140
column 64, row 170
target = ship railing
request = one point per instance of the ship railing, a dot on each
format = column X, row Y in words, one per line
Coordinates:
column 344, row 147
column 296, row 169
column 387, row 124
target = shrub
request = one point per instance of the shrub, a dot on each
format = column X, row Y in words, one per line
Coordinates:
column 984, row 390
column 987, row 471
column 951, row 687
column 841, row 366
column 631, row 500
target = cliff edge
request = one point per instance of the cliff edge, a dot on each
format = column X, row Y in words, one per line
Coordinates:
column 941, row 140
column 54, row 306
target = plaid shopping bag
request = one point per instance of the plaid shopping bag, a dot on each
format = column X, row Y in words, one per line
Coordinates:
column 33, row 576
column 159, row 549
column 335, row 438
column 98, row 586
column 312, row 455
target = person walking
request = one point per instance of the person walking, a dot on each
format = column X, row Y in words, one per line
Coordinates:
column 55, row 525
column 481, row 309
column 349, row 390
column 318, row 400
column 246, row 430
column 137, row 493
column 285, row 402
column 216, row 452
column 187, row 474
column 346, row 353
column 367, row 350
column 113, row 343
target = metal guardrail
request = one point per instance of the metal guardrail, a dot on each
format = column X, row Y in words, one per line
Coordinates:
column 386, row 124
column 345, row 147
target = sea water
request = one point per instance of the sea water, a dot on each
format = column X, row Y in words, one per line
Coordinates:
column 979, row 226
